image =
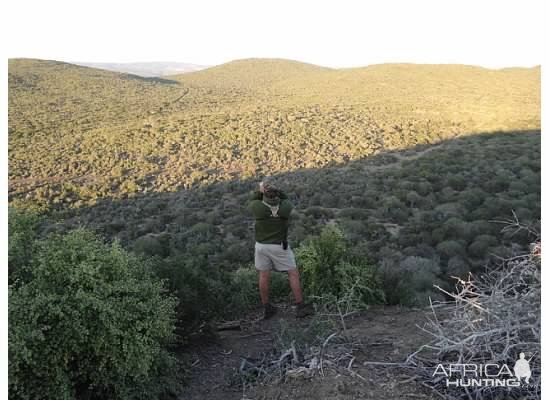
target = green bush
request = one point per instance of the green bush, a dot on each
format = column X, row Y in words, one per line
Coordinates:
column 396, row 287
column 450, row 248
column 152, row 244
column 353, row 213
column 457, row 182
column 421, row 274
column 92, row 322
column 202, row 287
column 22, row 231
column 457, row 267
column 244, row 293
column 413, row 198
column 329, row 270
column 481, row 244
column 355, row 229
column 318, row 212
column 394, row 209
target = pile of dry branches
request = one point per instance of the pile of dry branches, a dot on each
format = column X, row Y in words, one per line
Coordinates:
column 334, row 355
column 492, row 320
column 323, row 348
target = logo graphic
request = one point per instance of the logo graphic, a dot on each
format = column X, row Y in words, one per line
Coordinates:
column 522, row 369
column 491, row 374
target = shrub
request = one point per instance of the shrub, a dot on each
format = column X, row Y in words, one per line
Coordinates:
column 329, row 200
column 319, row 258
column 448, row 210
column 318, row 212
column 201, row 286
column 353, row 213
column 472, row 198
column 366, row 283
column 355, row 229
column 236, row 253
column 456, row 266
column 22, row 231
column 450, row 248
column 396, row 288
column 424, row 188
column 91, row 323
column 454, row 228
column 481, row 244
column 328, row 270
column 413, row 198
column 368, row 199
column 421, row 274
column 244, row 293
column 394, row 209
column 479, row 227
column 457, row 182
column 422, row 221
column 152, row 244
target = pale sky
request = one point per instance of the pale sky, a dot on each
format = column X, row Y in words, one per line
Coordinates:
column 340, row 33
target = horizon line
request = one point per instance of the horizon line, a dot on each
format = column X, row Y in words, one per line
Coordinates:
column 206, row 66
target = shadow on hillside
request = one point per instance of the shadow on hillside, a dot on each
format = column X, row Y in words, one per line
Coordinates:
column 154, row 79
column 367, row 184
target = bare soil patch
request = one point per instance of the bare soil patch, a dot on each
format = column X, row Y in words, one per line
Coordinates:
column 386, row 334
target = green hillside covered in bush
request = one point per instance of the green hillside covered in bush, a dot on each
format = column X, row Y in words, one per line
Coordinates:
column 409, row 172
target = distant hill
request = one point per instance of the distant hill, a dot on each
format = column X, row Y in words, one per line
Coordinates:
column 146, row 69
column 55, row 97
column 243, row 118
column 251, row 72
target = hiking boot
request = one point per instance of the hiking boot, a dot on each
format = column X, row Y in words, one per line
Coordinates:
column 303, row 310
column 269, row 311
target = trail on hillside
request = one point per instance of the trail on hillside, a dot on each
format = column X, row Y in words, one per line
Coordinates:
column 402, row 158
column 383, row 334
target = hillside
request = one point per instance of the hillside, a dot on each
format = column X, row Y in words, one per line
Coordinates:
column 253, row 116
column 253, row 74
column 105, row 143
column 57, row 98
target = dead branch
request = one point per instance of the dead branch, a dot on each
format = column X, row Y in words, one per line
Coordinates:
column 491, row 320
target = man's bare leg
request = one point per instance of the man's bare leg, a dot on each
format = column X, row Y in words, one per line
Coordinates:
column 264, row 286
column 269, row 310
column 294, row 280
column 302, row 309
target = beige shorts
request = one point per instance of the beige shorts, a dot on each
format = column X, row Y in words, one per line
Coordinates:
column 273, row 256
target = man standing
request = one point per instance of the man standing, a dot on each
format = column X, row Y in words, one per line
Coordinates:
column 271, row 209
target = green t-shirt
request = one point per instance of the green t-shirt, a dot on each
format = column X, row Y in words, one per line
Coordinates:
column 269, row 229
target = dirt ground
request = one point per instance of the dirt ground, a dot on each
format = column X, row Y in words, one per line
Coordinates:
column 386, row 334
